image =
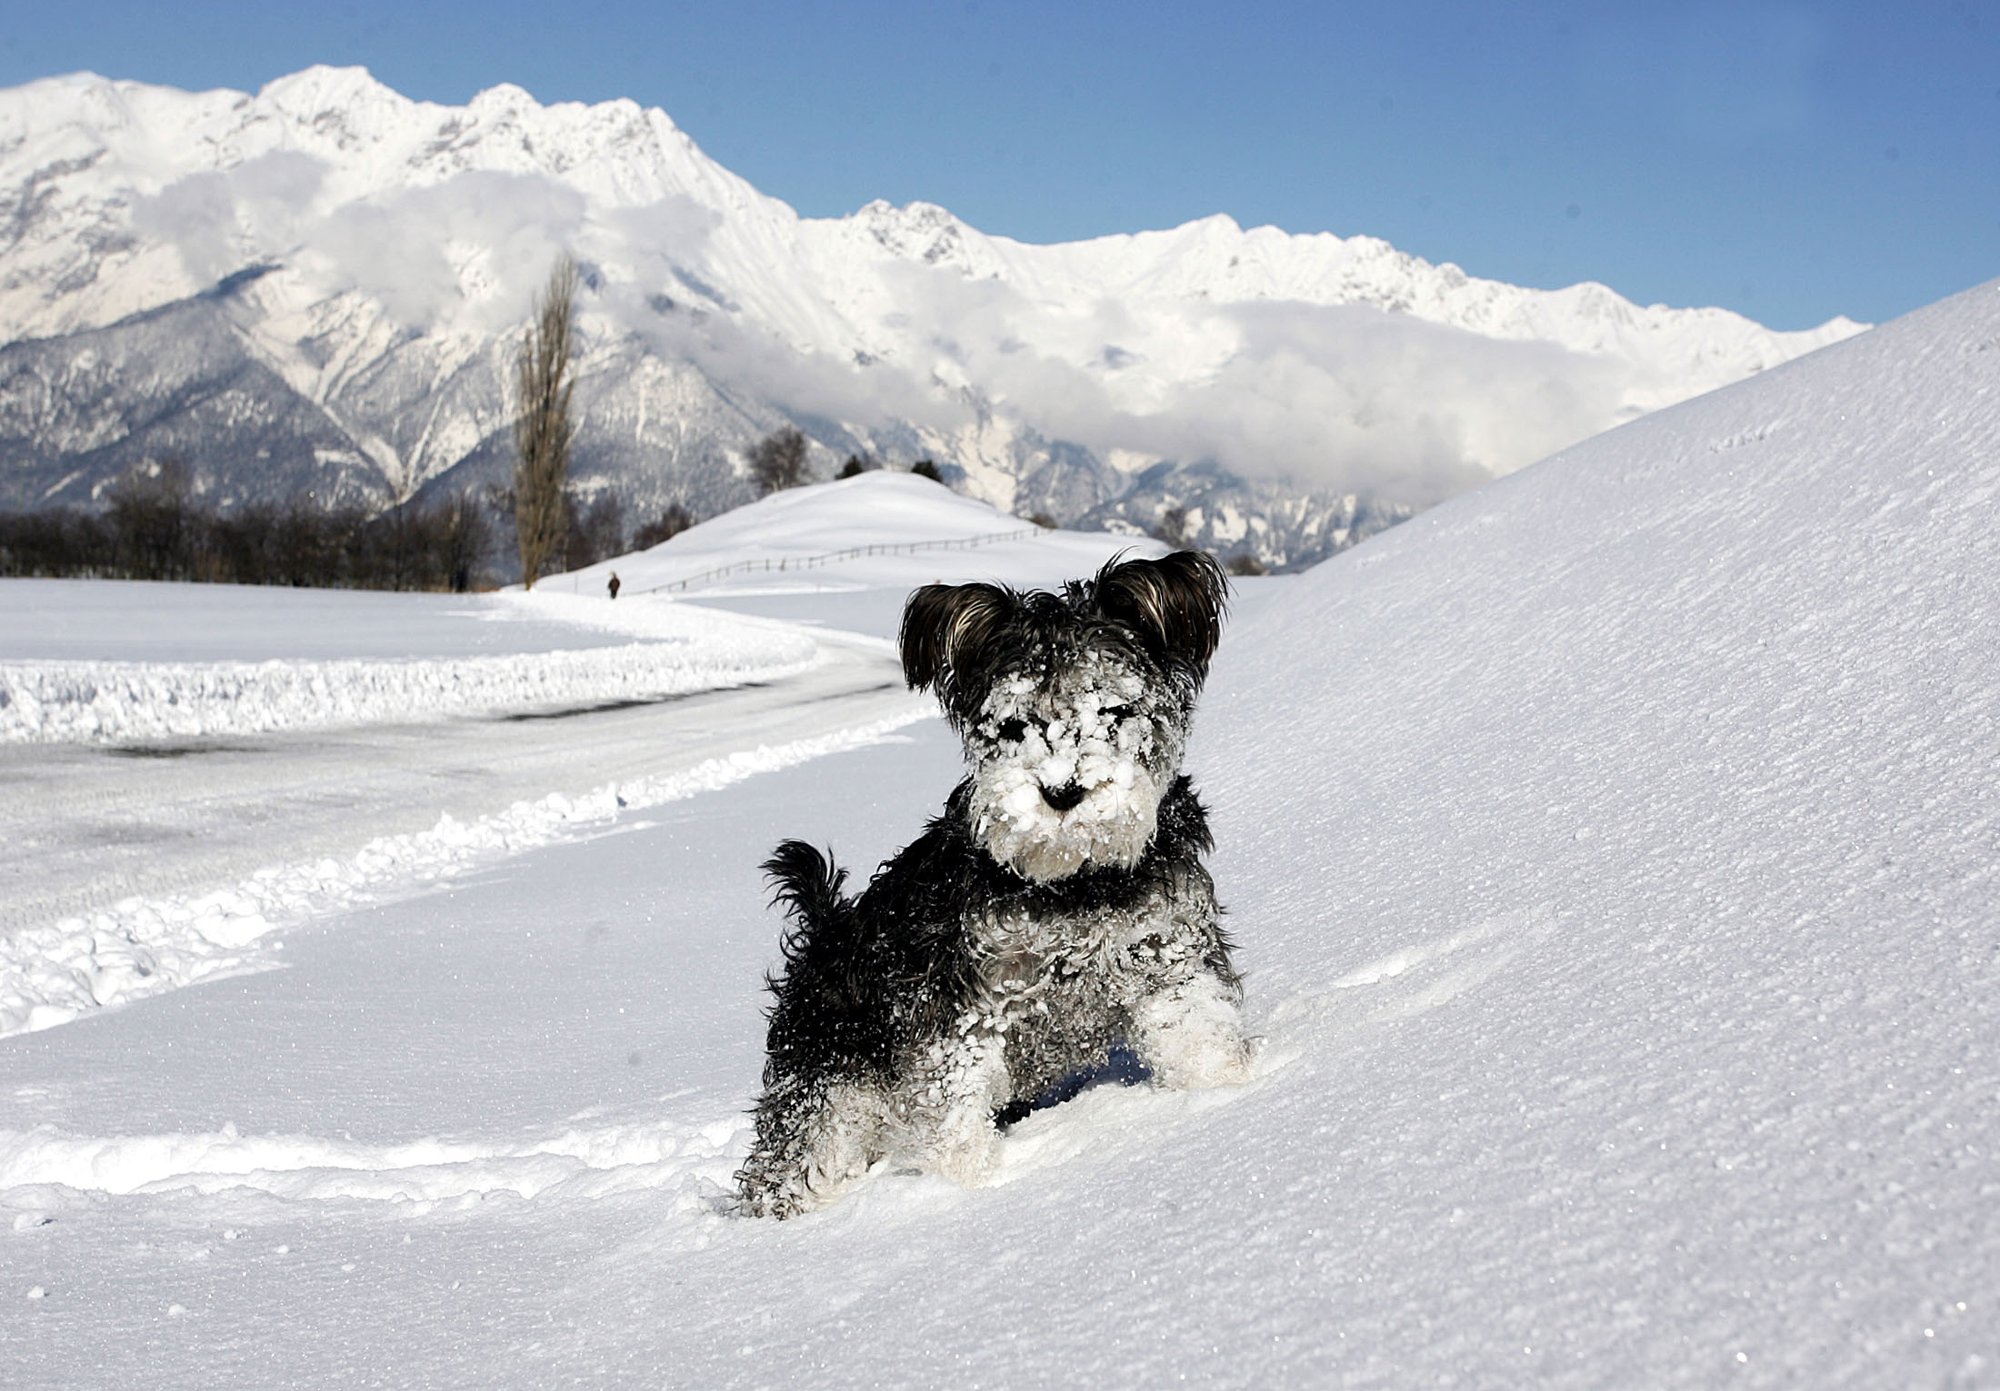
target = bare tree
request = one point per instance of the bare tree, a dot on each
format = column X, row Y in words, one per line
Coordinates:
column 777, row 461
column 544, row 426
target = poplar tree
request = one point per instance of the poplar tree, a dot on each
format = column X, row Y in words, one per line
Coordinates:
column 544, row 427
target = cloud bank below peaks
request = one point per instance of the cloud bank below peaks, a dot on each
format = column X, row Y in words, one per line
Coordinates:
column 1330, row 397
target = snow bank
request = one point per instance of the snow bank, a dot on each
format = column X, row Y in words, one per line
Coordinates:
column 145, row 946
column 107, row 701
column 172, row 621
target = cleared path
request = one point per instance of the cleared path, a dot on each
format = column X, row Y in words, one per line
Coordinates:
column 86, row 827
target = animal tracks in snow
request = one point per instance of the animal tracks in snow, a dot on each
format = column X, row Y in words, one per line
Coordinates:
column 1404, row 984
column 1754, row 434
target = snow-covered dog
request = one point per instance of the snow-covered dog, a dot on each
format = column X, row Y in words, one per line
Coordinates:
column 1058, row 907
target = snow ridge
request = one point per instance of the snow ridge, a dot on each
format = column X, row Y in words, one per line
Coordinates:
column 420, row 1175
column 109, row 702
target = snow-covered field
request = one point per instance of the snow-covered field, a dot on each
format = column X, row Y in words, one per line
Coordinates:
column 1613, row 852
column 216, row 764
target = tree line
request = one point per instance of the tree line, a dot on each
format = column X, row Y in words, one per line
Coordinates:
column 155, row 525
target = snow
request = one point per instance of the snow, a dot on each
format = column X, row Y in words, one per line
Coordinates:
column 106, row 923
column 138, row 622
column 846, row 553
column 141, row 945
column 68, row 700
column 878, row 530
column 1612, row 853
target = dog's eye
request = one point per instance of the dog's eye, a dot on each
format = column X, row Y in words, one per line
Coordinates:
column 1011, row 731
column 1115, row 714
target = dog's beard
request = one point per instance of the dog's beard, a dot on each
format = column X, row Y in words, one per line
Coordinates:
column 1111, row 826
column 1106, row 740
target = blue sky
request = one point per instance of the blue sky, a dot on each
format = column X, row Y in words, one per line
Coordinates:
column 1791, row 162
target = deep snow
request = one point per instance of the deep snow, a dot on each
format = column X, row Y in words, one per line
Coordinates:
column 1613, row 855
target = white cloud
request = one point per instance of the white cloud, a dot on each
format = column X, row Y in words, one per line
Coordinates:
column 1342, row 397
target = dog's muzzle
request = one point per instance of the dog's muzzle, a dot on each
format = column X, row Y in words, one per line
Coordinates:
column 1064, row 797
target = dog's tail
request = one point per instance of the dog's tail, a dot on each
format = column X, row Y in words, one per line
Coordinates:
column 823, row 1018
column 806, row 884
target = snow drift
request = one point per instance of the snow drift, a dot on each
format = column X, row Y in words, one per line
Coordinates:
column 1639, row 971
column 879, row 531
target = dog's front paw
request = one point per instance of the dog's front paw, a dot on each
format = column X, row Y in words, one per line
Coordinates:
column 766, row 1187
column 1222, row 1060
column 1192, row 1037
column 968, row 1159
column 767, row 1200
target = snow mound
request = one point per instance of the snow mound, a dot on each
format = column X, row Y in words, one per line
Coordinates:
column 1620, row 897
column 879, row 530
column 420, row 1174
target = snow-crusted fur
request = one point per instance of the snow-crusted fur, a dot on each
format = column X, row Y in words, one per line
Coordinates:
column 1056, row 908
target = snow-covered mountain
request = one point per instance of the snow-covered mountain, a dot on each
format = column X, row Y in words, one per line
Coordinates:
column 319, row 286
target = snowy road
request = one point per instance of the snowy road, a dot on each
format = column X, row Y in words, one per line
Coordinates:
column 142, row 867
column 91, row 825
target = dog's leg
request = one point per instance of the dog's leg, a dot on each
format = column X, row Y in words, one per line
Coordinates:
column 1189, row 1034
column 964, row 1080
column 811, row 1143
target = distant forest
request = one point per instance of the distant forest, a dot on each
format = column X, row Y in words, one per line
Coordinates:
column 155, row 526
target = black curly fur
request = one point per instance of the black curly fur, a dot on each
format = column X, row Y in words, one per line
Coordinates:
column 832, row 1015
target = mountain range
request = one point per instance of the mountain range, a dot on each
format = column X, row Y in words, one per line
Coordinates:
column 320, row 288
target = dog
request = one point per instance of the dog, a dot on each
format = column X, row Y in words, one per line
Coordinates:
column 1057, row 908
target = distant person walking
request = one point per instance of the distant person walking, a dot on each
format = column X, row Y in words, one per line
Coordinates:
column 613, row 586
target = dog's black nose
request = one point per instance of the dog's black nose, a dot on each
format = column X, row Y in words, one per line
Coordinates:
column 1064, row 797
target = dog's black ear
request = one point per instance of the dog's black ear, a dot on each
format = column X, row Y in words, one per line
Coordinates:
column 945, row 623
column 1175, row 604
